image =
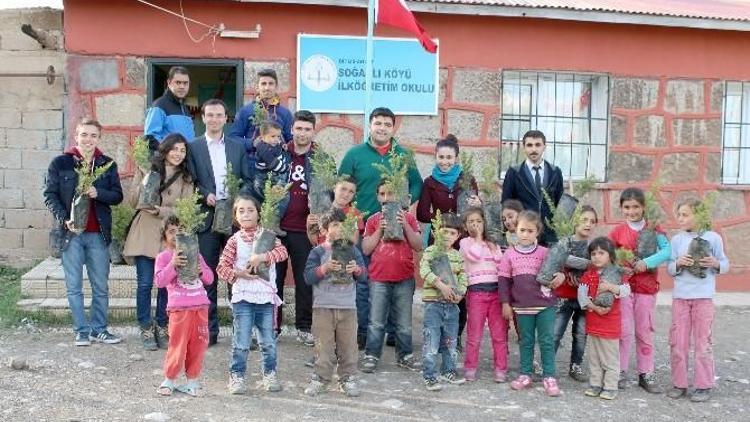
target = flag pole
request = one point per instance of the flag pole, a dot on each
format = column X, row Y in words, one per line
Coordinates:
column 371, row 14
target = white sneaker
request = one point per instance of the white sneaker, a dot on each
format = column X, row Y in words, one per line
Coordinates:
column 237, row 384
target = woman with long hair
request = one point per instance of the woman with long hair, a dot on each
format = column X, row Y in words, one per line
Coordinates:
column 143, row 243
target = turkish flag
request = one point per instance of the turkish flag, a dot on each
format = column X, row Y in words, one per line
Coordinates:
column 395, row 13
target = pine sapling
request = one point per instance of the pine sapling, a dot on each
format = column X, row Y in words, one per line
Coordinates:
column 191, row 219
column 141, row 153
column 440, row 263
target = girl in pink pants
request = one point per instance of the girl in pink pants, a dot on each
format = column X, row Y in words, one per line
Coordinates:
column 692, row 304
column 482, row 301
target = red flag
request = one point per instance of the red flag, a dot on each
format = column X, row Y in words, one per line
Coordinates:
column 395, row 13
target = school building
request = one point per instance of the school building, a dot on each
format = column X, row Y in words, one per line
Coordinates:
column 629, row 92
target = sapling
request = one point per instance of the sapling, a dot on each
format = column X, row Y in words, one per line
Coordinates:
column 440, row 263
column 81, row 202
column 191, row 219
column 564, row 227
column 396, row 179
column 699, row 247
column 222, row 222
column 148, row 195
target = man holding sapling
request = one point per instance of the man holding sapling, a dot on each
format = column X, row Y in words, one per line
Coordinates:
column 81, row 186
column 302, row 150
column 358, row 162
column 526, row 181
column 169, row 114
column 209, row 158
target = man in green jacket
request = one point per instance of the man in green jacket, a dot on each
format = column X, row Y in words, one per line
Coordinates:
column 358, row 163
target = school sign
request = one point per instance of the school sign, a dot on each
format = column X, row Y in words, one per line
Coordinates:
column 331, row 75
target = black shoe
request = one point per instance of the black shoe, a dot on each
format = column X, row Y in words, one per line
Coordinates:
column 700, row 395
column 361, row 342
column 390, row 340
column 148, row 340
column 648, row 383
column 213, row 339
column 161, row 335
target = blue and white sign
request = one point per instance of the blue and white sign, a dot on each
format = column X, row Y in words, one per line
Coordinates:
column 331, row 75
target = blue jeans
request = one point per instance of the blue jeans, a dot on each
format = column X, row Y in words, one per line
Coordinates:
column 394, row 299
column 246, row 316
column 363, row 304
column 440, row 334
column 144, row 269
column 88, row 249
column 567, row 309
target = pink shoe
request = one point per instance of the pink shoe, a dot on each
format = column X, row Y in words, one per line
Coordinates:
column 501, row 376
column 470, row 374
column 550, row 387
column 523, row 381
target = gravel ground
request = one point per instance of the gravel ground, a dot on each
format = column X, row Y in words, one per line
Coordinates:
column 103, row 382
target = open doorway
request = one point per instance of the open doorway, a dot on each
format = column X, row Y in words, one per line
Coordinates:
column 222, row 79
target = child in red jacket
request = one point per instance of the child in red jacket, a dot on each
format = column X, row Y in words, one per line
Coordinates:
column 603, row 324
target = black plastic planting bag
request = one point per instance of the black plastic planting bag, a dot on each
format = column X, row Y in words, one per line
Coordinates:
column 557, row 254
column 222, row 217
column 698, row 249
column 567, row 205
column 79, row 211
column 613, row 275
column 646, row 244
column 149, row 196
column 462, row 200
column 342, row 251
column 187, row 244
column 264, row 242
column 115, row 252
column 440, row 265
column 394, row 231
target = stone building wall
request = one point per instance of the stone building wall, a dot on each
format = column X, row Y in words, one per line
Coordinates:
column 664, row 128
column 31, row 131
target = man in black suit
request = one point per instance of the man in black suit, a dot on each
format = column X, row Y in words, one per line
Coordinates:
column 526, row 180
column 208, row 157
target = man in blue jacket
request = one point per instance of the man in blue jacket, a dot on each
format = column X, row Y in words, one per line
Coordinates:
column 88, row 244
column 169, row 114
column 265, row 106
column 526, row 181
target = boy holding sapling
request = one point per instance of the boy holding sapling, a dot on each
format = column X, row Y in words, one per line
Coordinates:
column 442, row 269
column 391, row 271
column 697, row 257
column 333, row 274
column 81, row 186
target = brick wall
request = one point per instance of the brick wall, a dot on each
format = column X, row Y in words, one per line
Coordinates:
column 31, row 132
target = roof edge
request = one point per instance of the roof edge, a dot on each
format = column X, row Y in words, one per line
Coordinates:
column 622, row 18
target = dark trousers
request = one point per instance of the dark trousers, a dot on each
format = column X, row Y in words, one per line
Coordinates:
column 210, row 245
column 298, row 246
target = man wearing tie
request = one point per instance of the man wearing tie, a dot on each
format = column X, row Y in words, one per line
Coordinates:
column 526, row 180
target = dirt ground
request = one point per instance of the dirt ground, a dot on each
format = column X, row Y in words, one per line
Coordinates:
column 118, row 383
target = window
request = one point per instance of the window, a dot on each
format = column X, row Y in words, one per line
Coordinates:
column 572, row 111
column 735, row 149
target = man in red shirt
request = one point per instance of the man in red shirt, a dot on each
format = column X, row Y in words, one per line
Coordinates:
column 294, row 221
column 391, row 272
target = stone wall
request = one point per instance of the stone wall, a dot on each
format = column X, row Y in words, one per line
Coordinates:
column 662, row 128
column 31, row 132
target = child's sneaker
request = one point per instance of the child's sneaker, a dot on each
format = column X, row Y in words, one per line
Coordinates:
column 470, row 374
column 237, row 384
column 306, row 338
column 593, row 391
column 550, row 387
column 576, row 372
column 148, row 340
column 310, row 363
column 622, row 383
column 648, row 383
column 315, row 387
column 452, row 378
column 700, row 395
column 409, row 362
column 369, row 364
column 608, row 394
column 82, row 340
column 105, row 337
column 432, row 384
column 501, row 376
column 523, row 381
column 676, row 393
column 349, row 387
column 271, row 383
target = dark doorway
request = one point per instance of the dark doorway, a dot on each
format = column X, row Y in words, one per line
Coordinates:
column 222, row 79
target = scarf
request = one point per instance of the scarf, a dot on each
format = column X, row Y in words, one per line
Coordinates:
column 447, row 178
